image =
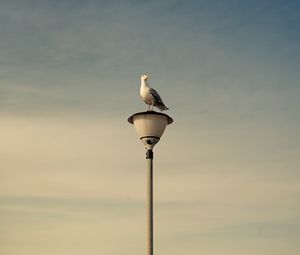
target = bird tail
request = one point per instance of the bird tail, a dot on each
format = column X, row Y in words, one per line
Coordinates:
column 162, row 107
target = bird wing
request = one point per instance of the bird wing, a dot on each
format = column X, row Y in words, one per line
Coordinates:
column 154, row 93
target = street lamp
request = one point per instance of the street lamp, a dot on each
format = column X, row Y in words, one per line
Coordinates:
column 150, row 126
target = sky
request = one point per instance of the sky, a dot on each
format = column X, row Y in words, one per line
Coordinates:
column 72, row 169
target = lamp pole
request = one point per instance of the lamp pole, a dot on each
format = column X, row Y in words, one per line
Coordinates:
column 149, row 157
column 150, row 126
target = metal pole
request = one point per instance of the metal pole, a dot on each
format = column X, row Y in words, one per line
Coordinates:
column 149, row 157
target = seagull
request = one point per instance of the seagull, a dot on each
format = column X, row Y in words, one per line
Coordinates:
column 150, row 95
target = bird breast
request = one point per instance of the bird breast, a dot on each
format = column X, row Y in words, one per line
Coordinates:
column 144, row 91
column 146, row 95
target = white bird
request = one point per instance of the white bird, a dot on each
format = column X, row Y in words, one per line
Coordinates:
column 150, row 95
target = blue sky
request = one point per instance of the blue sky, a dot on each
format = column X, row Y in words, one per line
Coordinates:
column 72, row 169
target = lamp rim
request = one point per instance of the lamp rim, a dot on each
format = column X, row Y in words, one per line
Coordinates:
column 169, row 119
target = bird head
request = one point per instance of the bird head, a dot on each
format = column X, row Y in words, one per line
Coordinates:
column 144, row 77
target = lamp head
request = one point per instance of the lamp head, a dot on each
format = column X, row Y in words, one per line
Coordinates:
column 149, row 141
column 150, row 126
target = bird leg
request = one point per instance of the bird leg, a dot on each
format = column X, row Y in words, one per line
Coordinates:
column 148, row 107
column 152, row 105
